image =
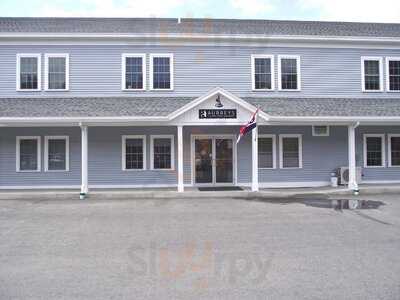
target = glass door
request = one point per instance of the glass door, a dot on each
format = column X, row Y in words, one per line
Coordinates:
column 223, row 161
column 214, row 161
column 203, row 160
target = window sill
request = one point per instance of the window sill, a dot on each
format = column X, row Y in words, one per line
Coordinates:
column 153, row 169
column 263, row 90
column 374, row 167
column 28, row 171
column 162, row 90
column 291, row 168
column 133, row 90
column 274, row 168
column 133, row 170
column 283, row 90
column 393, row 91
column 28, row 90
column 56, row 171
column 372, row 91
column 56, row 90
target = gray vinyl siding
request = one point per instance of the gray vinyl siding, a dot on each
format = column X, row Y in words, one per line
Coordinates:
column 321, row 155
column 10, row 177
column 377, row 174
column 95, row 70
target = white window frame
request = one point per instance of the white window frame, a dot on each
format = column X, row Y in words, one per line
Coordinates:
column 298, row 66
column 39, row 71
column 318, row 134
column 162, row 136
column 17, row 151
column 273, row 136
column 390, row 149
column 47, row 138
column 46, row 71
column 123, row 70
column 300, row 138
column 124, row 138
column 388, row 59
column 253, row 70
column 171, row 70
column 382, row 136
column 372, row 58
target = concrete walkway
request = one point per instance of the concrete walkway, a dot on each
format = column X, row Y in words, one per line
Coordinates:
column 194, row 193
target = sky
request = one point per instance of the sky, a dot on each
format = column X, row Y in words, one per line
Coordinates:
column 321, row 10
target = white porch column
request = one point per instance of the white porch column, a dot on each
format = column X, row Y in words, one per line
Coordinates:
column 352, row 157
column 180, row 159
column 254, row 158
column 84, row 145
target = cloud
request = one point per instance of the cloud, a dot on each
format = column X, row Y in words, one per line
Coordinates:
column 111, row 8
column 252, row 8
column 354, row 10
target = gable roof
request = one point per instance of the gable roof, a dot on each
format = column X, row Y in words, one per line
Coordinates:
column 195, row 26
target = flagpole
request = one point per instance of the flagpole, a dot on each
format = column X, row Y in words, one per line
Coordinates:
column 254, row 147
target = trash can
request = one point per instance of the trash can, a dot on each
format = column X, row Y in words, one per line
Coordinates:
column 334, row 180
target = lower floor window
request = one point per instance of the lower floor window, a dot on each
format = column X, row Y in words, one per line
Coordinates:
column 28, row 153
column 290, row 146
column 134, row 149
column 56, row 153
column 394, row 148
column 266, row 151
column 162, row 148
column 374, row 150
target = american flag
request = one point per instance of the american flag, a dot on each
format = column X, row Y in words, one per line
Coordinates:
column 249, row 126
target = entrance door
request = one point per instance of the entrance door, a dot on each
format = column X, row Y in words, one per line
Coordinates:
column 214, row 161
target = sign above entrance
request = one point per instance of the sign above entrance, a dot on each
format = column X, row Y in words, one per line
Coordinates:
column 217, row 114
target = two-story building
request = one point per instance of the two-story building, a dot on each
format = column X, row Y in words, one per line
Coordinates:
column 125, row 103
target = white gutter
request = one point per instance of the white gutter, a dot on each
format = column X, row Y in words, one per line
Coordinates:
column 202, row 37
column 334, row 119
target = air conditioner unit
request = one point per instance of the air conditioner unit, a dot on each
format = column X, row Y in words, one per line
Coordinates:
column 344, row 175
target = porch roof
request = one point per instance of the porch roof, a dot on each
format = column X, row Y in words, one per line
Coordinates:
column 327, row 107
column 76, row 107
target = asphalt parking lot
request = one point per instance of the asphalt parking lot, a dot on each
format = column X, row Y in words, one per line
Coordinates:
column 199, row 249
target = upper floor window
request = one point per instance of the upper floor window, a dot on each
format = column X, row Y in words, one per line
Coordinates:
column 57, row 72
column 28, row 72
column 262, row 67
column 289, row 72
column 371, row 72
column 133, row 71
column 393, row 74
column 161, row 71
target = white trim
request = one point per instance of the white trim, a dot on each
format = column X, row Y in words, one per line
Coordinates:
column 18, row 70
column 194, row 36
column 382, row 136
column 124, row 138
column 273, row 137
column 300, row 151
column 298, row 67
column 123, row 70
column 253, row 80
column 171, row 70
column 46, row 71
column 388, row 59
column 193, row 137
column 381, row 181
column 46, row 152
column 390, row 149
column 38, row 149
column 288, row 184
column 318, row 134
column 379, row 59
column 162, row 136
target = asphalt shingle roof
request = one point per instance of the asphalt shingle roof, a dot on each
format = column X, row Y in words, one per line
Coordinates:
column 324, row 107
column 163, row 106
column 196, row 26
column 90, row 107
